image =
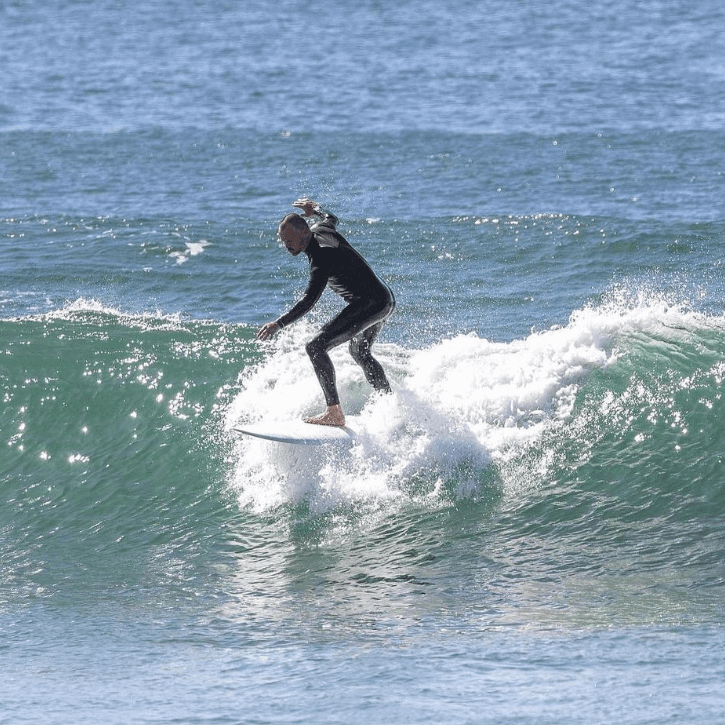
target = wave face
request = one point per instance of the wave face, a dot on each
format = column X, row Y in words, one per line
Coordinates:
column 107, row 462
column 590, row 450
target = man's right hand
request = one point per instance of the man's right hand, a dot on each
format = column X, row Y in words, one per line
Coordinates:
column 267, row 331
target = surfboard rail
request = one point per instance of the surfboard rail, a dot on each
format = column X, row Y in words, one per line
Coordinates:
column 297, row 432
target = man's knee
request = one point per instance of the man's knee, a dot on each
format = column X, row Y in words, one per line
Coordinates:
column 314, row 348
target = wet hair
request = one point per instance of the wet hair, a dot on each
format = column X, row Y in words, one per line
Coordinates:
column 296, row 221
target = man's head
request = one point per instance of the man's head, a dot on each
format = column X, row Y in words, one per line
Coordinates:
column 294, row 233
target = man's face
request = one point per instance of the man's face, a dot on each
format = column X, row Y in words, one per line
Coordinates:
column 293, row 239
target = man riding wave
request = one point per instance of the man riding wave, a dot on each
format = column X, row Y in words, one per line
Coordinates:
column 334, row 263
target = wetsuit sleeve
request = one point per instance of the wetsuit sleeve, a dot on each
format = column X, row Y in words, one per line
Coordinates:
column 326, row 219
column 315, row 287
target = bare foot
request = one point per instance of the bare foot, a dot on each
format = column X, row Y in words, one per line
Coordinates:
column 333, row 415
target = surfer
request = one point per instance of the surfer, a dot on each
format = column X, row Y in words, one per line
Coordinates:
column 335, row 263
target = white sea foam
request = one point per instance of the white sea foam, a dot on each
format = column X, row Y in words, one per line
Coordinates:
column 84, row 308
column 458, row 406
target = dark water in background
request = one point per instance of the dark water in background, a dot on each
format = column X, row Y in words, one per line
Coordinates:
column 530, row 530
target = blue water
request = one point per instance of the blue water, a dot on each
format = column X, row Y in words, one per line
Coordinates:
column 529, row 530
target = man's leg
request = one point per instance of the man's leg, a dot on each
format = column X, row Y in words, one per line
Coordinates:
column 352, row 321
column 362, row 355
column 317, row 350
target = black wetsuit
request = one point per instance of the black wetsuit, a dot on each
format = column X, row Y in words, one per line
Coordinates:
column 335, row 263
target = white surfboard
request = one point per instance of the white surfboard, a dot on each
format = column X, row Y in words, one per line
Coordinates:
column 300, row 433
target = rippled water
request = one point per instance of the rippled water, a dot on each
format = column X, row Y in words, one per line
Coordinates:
column 529, row 530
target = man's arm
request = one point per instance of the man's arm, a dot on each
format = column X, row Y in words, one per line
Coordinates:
column 315, row 288
column 318, row 279
column 313, row 292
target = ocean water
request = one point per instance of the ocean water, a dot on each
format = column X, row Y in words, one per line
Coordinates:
column 530, row 530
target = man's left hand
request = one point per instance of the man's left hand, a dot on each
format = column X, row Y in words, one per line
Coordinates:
column 307, row 205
